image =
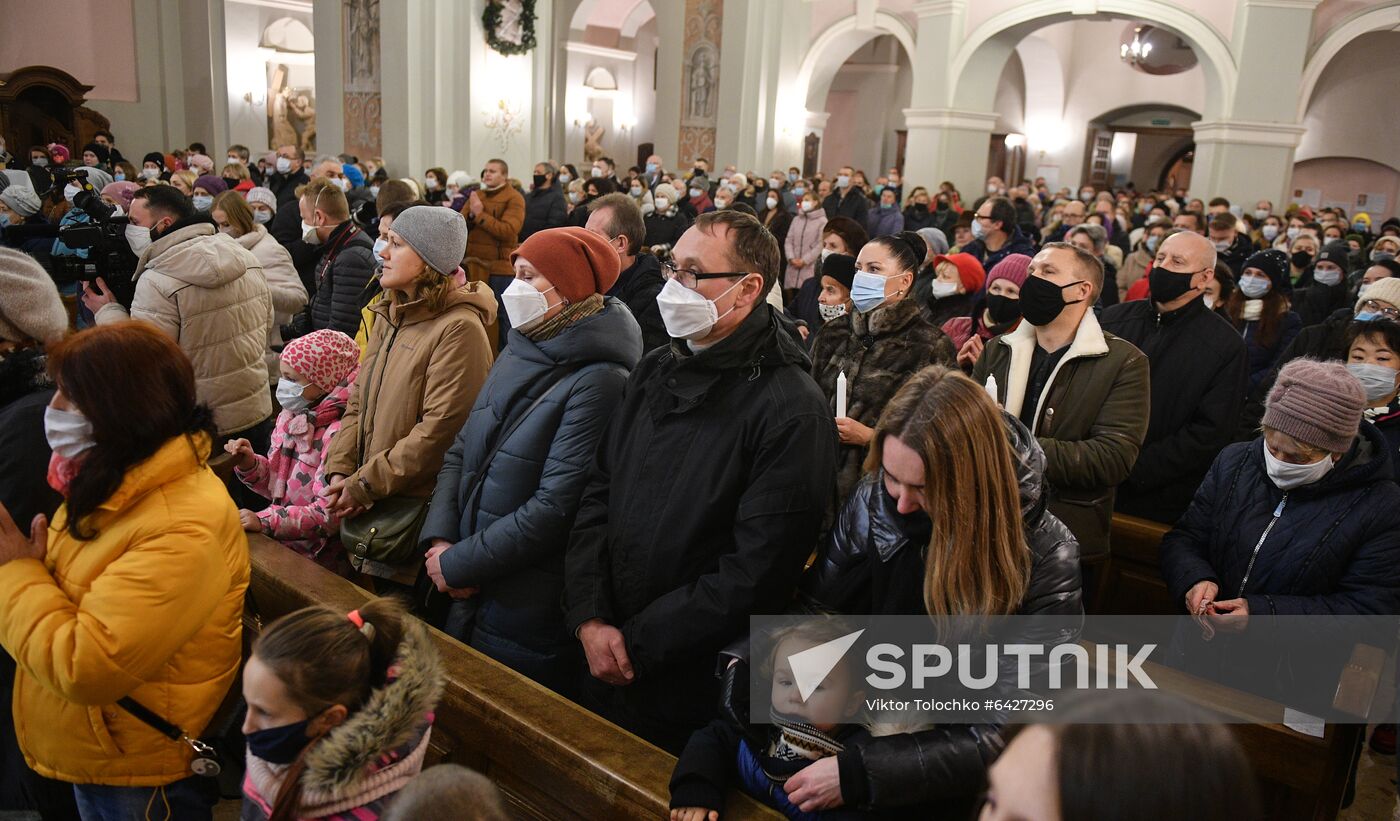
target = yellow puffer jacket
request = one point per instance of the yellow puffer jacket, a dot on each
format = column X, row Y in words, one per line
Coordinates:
column 151, row 608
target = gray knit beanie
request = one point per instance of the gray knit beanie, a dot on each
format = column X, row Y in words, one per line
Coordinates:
column 438, row 234
column 30, row 308
column 21, row 199
column 1317, row 403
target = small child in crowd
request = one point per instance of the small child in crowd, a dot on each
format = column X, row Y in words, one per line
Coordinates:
column 448, row 792
column 318, row 371
column 803, row 731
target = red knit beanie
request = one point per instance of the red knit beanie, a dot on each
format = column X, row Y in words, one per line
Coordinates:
column 578, row 262
column 969, row 270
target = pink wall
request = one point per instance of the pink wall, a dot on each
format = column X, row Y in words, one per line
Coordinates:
column 839, row 136
column 1331, row 12
column 93, row 41
column 1342, row 178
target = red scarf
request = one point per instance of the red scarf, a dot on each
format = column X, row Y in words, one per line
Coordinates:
column 61, row 472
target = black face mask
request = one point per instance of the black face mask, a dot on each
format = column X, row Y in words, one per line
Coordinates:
column 921, row 208
column 1003, row 309
column 1168, row 286
column 231, row 182
column 1301, row 259
column 1042, row 300
column 539, row 180
column 942, row 205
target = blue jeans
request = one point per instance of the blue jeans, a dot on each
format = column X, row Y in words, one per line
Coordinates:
column 185, row 800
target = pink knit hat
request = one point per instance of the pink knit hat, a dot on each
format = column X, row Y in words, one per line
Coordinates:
column 1317, row 403
column 121, row 193
column 325, row 357
column 1013, row 268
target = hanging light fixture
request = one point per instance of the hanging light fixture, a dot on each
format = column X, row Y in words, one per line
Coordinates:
column 1137, row 51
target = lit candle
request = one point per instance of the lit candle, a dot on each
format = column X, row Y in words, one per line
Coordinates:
column 841, row 394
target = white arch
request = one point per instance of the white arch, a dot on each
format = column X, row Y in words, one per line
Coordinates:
column 1045, row 76
column 1383, row 18
column 977, row 63
column 835, row 45
column 581, row 15
column 639, row 16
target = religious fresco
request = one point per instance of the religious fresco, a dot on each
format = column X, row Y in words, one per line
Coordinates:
column 700, row 78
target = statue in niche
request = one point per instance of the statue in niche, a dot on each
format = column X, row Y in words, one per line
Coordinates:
column 702, row 81
column 593, row 142
column 363, row 21
column 291, row 108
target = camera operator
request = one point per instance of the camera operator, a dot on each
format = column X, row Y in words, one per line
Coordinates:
column 209, row 294
column 96, row 180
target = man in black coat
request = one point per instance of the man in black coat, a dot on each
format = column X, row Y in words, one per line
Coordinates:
column 996, row 234
column 344, row 264
column 707, row 493
column 289, row 175
column 1231, row 247
column 617, row 219
column 544, row 205
column 1199, row 377
column 845, row 200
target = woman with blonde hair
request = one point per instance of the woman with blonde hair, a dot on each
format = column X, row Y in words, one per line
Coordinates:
column 949, row 520
column 184, row 180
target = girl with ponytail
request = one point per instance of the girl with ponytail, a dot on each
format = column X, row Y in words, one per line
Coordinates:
column 882, row 343
column 339, row 712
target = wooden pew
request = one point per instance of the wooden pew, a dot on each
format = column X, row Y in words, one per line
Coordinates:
column 551, row 758
column 1301, row 777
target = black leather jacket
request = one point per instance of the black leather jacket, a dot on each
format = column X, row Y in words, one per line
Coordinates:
column 872, row 562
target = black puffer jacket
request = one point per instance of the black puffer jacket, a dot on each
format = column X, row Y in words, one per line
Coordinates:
column 637, row 287
column 1325, row 340
column 544, row 208
column 1334, row 550
column 343, row 281
column 873, row 562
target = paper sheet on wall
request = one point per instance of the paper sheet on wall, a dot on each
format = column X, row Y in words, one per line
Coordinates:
column 1311, row 197
column 1372, row 203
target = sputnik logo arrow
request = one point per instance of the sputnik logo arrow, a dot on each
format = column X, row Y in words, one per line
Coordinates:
column 811, row 666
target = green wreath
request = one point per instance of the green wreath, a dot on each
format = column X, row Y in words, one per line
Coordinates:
column 491, row 18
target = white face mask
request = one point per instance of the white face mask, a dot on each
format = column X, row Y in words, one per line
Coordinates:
column 524, row 305
column 343, row 183
column 41, row 162
column 430, row 183
column 1286, row 475
column 688, row 314
column 308, row 234
column 1377, row 380
column 1208, row 300
column 1292, row 233
column 573, row 197
column 374, row 191
column 138, row 238
column 662, row 203
column 695, row 192
column 69, row 432
column 721, row 204
column 70, row 191
column 289, row 395
column 772, row 203
column 1260, row 214
column 597, row 172
column 232, row 160
column 564, row 178
column 262, row 217
column 1268, row 232
column 636, row 191
column 943, row 289
column 826, row 252
column 202, row 202
column 1327, row 276
column 284, row 165
column 379, row 246
column 830, row 312
column 150, row 173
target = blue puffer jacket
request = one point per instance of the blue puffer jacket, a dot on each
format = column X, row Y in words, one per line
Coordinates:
column 1334, row 550
column 531, row 492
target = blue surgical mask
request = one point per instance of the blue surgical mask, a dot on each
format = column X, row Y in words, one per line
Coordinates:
column 1377, row 380
column 799, row 190
column 120, row 176
column 279, row 745
column 979, row 231
column 4, row 220
column 1151, row 244
column 1254, row 287
column 203, row 202
column 867, row 291
column 651, row 168
column 792, row 177
column 1366, row 316
column 289, row 395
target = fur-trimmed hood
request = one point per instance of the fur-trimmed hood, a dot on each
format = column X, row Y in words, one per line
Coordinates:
column 378, row 750
column 392, row 717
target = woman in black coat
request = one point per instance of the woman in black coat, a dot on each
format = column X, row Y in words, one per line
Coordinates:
column 528, row 444
column 1009, row 557
column 1304, row 520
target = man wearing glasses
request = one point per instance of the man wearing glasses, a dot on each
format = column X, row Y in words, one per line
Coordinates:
column 706, row 493
column 995, row 233
column 1199, row 370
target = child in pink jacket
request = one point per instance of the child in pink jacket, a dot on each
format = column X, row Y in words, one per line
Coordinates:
column 318, row 371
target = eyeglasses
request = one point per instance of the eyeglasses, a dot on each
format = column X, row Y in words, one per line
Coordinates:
column 983, row 216
column 690, row 278
column 1371, row 306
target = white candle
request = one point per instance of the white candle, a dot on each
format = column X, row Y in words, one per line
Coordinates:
column 841, row 394
column 992, row 388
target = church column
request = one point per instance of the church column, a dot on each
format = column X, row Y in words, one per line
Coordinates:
column 670, row 74
column 327, row 26
column 946, row 141
column 1246, row 152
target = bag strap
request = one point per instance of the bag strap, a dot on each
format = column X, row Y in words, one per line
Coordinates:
column 506, row 430
column 157, row 723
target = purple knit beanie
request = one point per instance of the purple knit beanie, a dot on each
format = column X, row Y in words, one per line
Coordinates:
column 1317, row 403
column 1012, row 268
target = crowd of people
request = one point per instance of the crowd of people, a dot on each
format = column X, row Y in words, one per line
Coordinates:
column 590, row 423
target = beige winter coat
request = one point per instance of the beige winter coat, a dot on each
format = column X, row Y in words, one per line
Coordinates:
column 210, row 295
column 288, row 294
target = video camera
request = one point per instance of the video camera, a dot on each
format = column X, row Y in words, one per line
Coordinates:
column 109, row 255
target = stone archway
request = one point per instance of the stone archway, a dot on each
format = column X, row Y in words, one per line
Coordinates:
column 835, row 45
column 978, row 62
column 1385, row 18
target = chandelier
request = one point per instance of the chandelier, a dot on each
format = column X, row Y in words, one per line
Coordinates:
column 1136, row 51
